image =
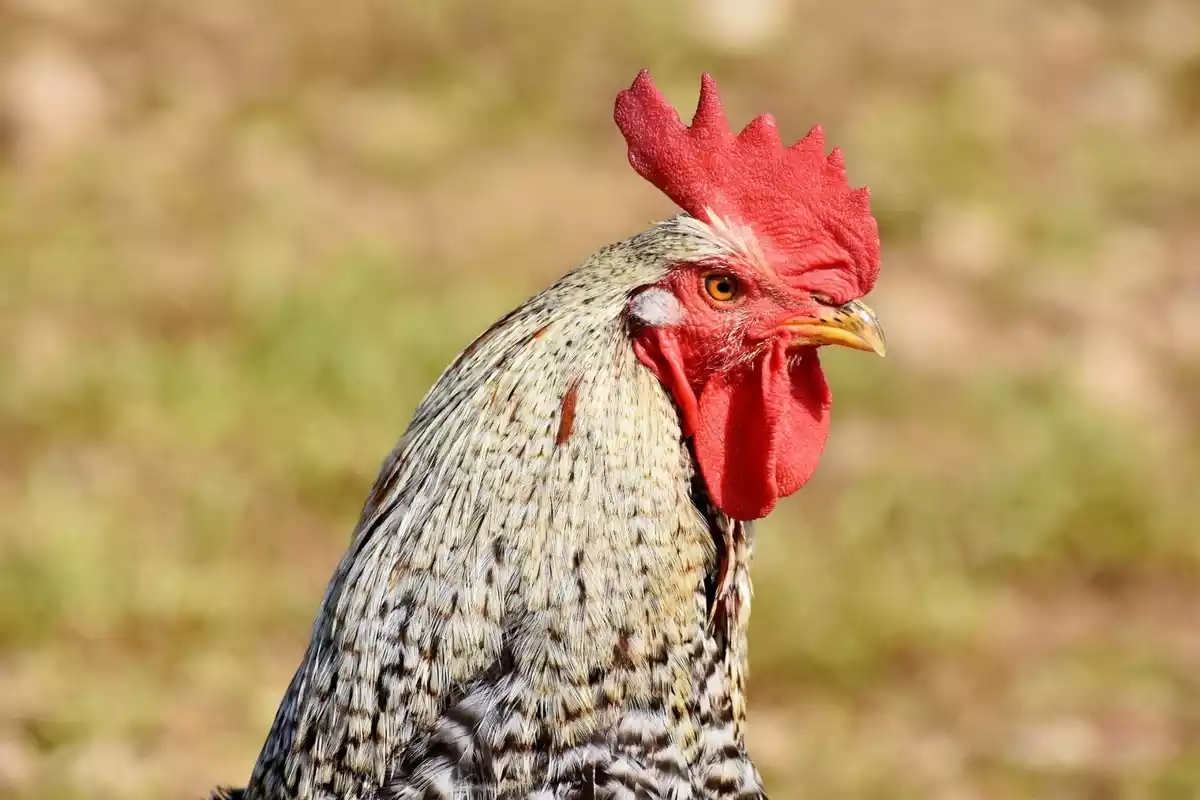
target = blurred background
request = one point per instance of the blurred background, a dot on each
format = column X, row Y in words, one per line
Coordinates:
column 238, row 241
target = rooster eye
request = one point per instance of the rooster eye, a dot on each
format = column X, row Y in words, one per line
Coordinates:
column 722, row 288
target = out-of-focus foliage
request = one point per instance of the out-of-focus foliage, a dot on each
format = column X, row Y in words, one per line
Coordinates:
column 238, row 240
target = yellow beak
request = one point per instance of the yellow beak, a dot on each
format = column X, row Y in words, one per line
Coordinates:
column 852, row 325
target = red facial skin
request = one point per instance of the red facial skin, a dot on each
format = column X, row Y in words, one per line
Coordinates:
column 756, row 404
column 757, row 407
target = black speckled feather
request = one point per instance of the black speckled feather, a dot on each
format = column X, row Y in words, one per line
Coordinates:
column 539, row 601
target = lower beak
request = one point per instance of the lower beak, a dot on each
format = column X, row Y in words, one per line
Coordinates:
column 852, row 325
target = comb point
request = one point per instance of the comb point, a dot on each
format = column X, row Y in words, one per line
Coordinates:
column 813, row 141
column 710, row 115
column 762, row 130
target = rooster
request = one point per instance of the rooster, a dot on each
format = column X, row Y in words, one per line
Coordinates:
column 547, row 593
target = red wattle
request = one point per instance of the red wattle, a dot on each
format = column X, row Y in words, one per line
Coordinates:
column 760, row 431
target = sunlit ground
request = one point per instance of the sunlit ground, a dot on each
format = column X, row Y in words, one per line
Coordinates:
column 238, row 242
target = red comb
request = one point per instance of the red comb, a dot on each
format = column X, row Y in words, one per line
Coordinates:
column 793, row 198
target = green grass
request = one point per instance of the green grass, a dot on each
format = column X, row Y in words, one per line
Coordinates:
column 271, row 227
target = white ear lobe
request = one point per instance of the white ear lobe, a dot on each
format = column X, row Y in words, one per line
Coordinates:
column 656, row 308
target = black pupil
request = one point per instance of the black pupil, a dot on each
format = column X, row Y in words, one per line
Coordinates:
column 724, row 287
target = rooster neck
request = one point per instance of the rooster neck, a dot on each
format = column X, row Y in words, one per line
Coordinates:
column 539, row 530
column 548, row 464
column 547, row 445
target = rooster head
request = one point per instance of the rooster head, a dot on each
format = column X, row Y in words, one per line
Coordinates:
column 734, row 336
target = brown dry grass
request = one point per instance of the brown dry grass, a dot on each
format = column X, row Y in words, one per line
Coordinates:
column 238, row 241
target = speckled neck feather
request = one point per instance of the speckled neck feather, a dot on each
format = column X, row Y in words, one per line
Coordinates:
column 534, row 600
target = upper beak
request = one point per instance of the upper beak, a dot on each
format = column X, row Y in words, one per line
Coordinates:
column 852, row 325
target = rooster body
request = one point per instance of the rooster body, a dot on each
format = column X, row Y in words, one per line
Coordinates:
column 547, row 593
column 526, row 602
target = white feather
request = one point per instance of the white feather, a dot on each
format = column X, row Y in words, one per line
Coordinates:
column 657, row 308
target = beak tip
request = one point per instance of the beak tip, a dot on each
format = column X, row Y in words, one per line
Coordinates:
column 851, row 325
